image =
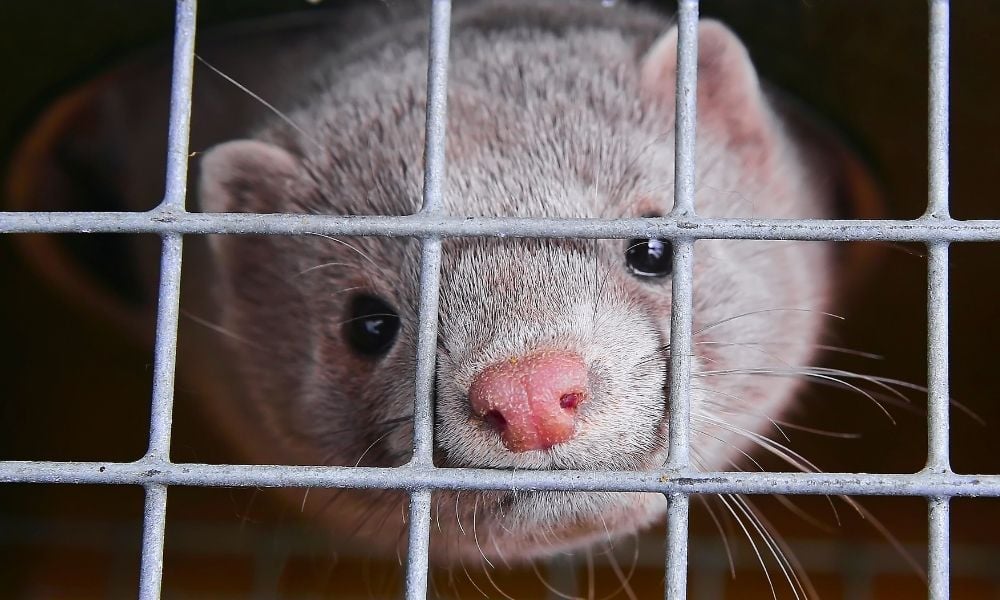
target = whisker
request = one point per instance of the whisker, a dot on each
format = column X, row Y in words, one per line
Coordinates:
column 722, row 534
column 219, row 329
column 489, row 578
column 499, row 552
column 783, row 452
column 461, row 561
column 437, row 511
column 607, row 531
column 824, row 432
column 349, row 246
column 743, row 402
column 730, row 444
column 475, row 535
column 764, row 311
column 802, row 514
column 755, row 347
column 824, row 347
column 623, row 579
column 779, row 549
column 848, row 351
column 799, row 373
column 245, row 515
column 780, row 450
column 548, row 586
column 885, row 533
column 769, row 544
column 885, row 383
column 323, row 266
column 458, row 517
column 590, row 576
column 724, row 498
column 263, row 102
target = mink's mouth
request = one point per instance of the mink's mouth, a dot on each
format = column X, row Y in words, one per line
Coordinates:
column 648, row 459
column 522, row 526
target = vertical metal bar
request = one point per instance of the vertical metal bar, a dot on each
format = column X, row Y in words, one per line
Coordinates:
column 937, row 262
column 164, row 360
column 938, row 91
column 681, row 300
column 180, row 104
column 677, row 546
column 430, row 281
column 437, row 105
column 939, row 548
column 938, row 455
column 427, row 321
column 419, row 545
column 938, row 399
column 430, row 266
column 154, row 521
column 165, row 350
column 679, row 398
column 687, row 96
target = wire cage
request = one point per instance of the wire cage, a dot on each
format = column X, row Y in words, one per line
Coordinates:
column 678, row 480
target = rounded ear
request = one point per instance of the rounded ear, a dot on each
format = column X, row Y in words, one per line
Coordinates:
column 246, row 176
column 249, row 176
column 730, row 100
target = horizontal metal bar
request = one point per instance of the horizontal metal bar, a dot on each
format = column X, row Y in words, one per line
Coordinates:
column 917, row 230
column 427, row 477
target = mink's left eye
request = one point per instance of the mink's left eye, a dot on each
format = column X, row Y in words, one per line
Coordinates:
column 371, row 327
column 649, row 258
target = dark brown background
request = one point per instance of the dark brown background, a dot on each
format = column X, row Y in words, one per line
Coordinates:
column 72, row 389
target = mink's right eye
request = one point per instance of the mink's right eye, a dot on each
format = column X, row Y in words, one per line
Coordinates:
column 649, row 258
column 371, row 325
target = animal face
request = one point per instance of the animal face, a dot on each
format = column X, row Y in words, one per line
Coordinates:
column 548, row 120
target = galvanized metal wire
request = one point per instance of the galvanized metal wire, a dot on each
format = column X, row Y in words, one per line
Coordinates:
column 155, row 472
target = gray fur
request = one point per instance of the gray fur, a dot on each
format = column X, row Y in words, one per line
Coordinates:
column 556, row 109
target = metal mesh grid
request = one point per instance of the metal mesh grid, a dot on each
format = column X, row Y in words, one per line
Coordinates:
column 682, row 226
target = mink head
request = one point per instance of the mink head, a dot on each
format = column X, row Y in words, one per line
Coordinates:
column 551, row 354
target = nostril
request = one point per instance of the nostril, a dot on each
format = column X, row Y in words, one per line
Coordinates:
column 571, row 400
column 531, row 401
column 495, row 420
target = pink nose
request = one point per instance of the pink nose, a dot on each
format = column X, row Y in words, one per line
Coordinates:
column 531, row 402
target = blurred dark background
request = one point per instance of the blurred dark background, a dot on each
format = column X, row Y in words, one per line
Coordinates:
column 73, row 388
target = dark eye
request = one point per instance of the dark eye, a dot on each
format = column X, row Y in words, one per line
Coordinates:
column 649, row 258
column 371, row 326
